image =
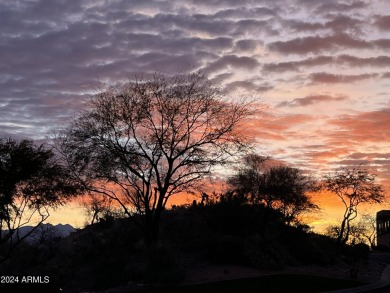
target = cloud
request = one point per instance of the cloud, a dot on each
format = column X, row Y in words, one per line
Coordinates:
column 53, row 54
column 366, row 156
column 325, row 156
column 246, row 45
column 337, row 6
column 383, row 22
column 379, row 61
column 299, row 25
column 296, row 65
column 371, row 126
column 383, row 44
column 377, row 163
column 318, row 44
column 267, row 126
column 232, row 61
column 345, row 24
column 323, row 77
column 337, row 24
column 341, row 60
column 386, row 75
column 311, row 100
column 246, row 13
column 338, row 142
column 310, row 144
column 248, row 85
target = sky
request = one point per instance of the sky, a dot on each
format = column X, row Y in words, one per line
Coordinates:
column 320, row 68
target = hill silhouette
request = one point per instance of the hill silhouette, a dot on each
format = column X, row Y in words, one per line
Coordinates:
column 47, row 229
column 112, row 253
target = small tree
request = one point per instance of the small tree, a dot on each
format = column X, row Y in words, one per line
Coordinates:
column 365, row 230
column 143, row 142
column 356, row 233
column 100, row 207
column 289, row 188
column 249, row 178
column 332, row 231
column 31, row 182
column 281, row 188
column 368, row 223
column 353, row 187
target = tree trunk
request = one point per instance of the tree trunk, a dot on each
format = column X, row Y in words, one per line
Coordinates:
column 152, row 228
column 340, row 237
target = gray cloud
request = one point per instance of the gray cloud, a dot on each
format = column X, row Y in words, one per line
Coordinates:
column 383, row 22
column 257, row 12
column 247, row 45
column 232, row 61
column 349, row 60
column 53, row 53
column 323, row 77
column 337, row 24
column 318, row 44
column 249, row 85
column 296, row 65
column 337, row 6
column 311, row 100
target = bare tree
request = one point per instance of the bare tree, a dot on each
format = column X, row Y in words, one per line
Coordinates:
column 365, row 230
column 100, row 207
column 368, row 222
column 143, row 142
column 332, row 231
column 353, row 187
column 31, row 182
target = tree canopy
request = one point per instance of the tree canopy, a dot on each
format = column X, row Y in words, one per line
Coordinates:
column 144, row 141
column 279, row 187
column 31, row 181
column 353, row 186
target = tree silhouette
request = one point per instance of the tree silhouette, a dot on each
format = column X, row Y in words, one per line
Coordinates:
column 31, row 181
column 279, row 187
column 142, row 142
column 367, row 229
column 100, row 207
column 249, row 178
column 352, row 186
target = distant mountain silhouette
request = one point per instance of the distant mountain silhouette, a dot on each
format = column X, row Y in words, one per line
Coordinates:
column 46, row 230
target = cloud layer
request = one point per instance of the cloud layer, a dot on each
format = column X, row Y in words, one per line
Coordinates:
column 322, row 67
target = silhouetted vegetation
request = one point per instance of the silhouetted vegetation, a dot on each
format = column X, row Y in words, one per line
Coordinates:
column 152, row 138
column 353, row 187
column 226, row 230
column 281, row 188
column 364, row 231
column 133, row 148
column 31, row 182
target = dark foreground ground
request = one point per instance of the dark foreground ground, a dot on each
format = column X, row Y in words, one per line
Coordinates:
column 269, row 284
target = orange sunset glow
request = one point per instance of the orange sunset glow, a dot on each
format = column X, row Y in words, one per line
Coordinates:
column 318, row 70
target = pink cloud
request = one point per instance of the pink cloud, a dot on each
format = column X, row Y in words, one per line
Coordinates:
column 383, row 22
column 323, row 77
column 371, row 126
column 312, row 99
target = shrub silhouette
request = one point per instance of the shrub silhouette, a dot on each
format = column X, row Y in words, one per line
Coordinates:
column 226, row 231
